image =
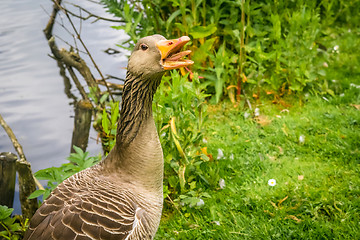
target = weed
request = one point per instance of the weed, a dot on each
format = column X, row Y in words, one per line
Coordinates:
column 276, row 48
column 11, row 228
column 56, row 175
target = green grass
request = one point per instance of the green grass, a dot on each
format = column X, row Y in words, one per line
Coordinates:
column 317, row 195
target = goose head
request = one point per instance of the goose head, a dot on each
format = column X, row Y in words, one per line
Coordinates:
column 153, row 55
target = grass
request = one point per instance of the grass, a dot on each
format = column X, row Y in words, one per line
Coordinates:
column 318, row 185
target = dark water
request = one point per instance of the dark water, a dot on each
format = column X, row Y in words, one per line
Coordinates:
column 32, row 98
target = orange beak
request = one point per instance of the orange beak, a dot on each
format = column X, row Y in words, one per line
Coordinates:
column 171, row 57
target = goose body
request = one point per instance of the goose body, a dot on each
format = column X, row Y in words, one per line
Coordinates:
column 122, row 196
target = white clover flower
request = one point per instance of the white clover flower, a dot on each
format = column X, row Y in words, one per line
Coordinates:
column 336, row 49
column 272, row 182
column 325, row 64
column 302, row 139
column 342, row 95
column 246, row 115
column 257, row 112
column 232, row 156
column 222, row 183
column 220, row 154
column 204, row 140
column 200, row 203
column 217, row 223
column 354, row 85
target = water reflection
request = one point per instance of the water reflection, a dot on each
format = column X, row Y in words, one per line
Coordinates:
column 33, row 98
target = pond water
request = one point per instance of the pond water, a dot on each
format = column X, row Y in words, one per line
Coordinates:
column 32, row 97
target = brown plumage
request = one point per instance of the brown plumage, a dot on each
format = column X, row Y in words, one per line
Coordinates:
column 121, row 197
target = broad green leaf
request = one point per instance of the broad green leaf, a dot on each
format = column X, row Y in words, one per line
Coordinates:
column 180, row 27
column 105, row 122
column 203, row 51
column 5, row 212
column 36, row 193
column 103, row 98
column 202, row 32
column 45, row 174
column 115, row 114
column 171, row 18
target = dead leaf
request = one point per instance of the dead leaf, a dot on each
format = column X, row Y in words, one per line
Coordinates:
column 293, row 218
column 274, row 205
column 243, row 78
column 231, row 94
column 263, row 120
column 284, row 129
column 281, row 150
column 282, row 200
column 270, row 213
column 357, row 106
column 272, row 158
column 231, row 86
column 204, row 151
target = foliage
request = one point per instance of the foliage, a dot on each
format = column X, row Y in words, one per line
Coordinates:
column 12, row 228
column 311, row 150
column 180, row 113
column 266, row 47
column 106, row 124
column 56, row 175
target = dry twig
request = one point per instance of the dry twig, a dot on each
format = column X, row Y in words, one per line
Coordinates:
column 58, row 5
column 90, row 15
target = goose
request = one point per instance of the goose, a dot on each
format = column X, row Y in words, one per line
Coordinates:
column 121, row 197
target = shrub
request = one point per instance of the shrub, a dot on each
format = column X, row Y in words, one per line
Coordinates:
column 180, row 114
column 275, row 47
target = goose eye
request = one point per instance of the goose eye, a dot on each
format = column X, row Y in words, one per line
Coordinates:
column 144, row 47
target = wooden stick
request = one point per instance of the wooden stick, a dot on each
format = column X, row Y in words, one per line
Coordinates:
column 7, row 178
column 49, row 27
column 27, row 186
column 110, row 84
column 27, row 183
column 82, row 123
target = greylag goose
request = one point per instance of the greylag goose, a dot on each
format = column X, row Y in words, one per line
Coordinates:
column 122, row 196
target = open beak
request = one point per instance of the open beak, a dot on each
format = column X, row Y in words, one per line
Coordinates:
column 171, row 56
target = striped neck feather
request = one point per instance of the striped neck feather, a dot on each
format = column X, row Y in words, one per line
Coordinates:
column 136, row 105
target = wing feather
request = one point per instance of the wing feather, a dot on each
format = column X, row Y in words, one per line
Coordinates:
column 93, row 212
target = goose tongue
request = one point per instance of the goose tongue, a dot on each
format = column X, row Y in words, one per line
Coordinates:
column 171, row 56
